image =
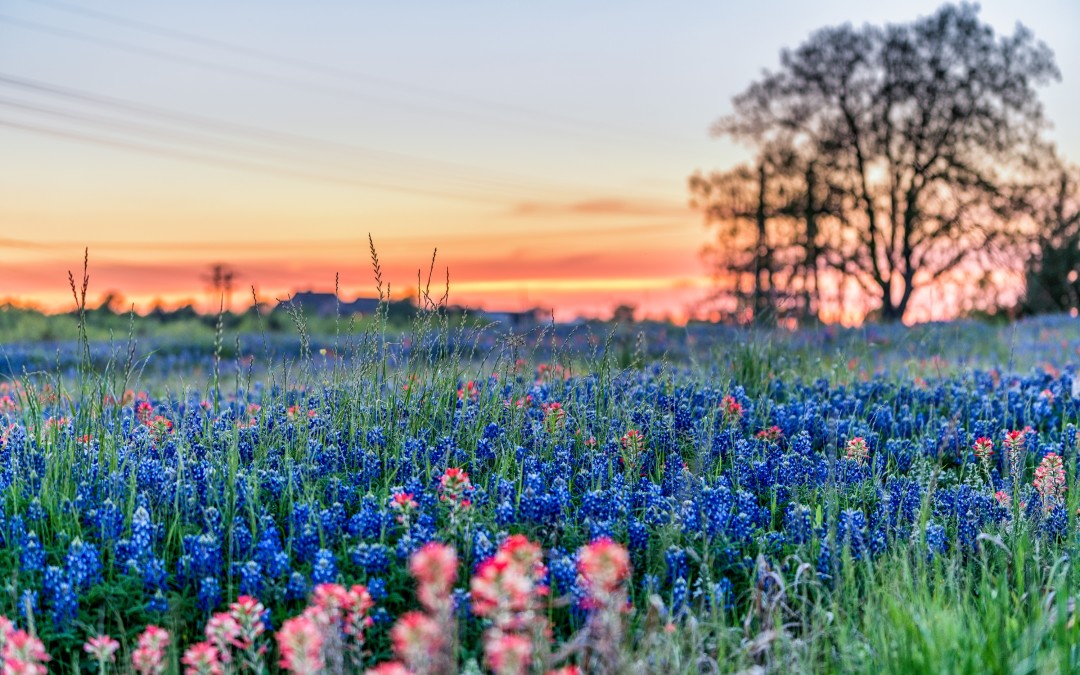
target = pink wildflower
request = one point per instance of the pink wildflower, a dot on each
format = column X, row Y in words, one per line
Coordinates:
column 300, row 641
column 633, row 440
column 144, row 412
column 435, row 568
column 334, row 605
column 508, row 583
column 470, row 391
column 857, row 449
column 1050, row 480
column 554, row 416
column 507, row 589
column 983, row 448
column 418, row 639
column 24, row 654
column 202, row 658
column 508, row 654
column 149, row 657
column 770, row 434
column 248, row 614
column 405, row 505
column 1015, row 450
column 605, row 568
column 103, row 648
column 498, row 583
column 389, row 668
column 223, row 631
column 605, row 565
column 731, row 409
column 454, row 484
column 633, row 446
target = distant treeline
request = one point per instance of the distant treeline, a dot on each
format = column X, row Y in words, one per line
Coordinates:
column 107, row 321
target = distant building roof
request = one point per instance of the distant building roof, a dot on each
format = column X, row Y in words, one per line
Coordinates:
column 527, row 317
column 327, row 304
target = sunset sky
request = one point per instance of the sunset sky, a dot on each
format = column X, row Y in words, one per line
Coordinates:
column 543, row 148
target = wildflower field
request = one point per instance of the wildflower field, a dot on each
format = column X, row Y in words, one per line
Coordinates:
column 443, row 499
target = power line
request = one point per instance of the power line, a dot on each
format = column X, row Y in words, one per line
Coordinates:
column 484, row 115
column 153, row 133
column 212, row 66
column 331, row 70
column 277, row 144
column 236, row 163
column 258, row 134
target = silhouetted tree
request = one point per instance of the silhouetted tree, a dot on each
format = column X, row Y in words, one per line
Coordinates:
column 624, row 314
column 768, row 222
column 914, row 134
column 221, row 277
column 1053, row 275
column 112, row 303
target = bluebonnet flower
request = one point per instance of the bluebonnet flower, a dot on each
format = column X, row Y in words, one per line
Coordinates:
column 142, row 537
column 368, row 522
column 1056, row 523
column 723, row 596
column 154, row 574
column 61, row 596
column 203, row 555
column 851, row 532
column 504, row 513
column 936, row 542
column 740, row 528
column 485, row 450
column 482, row 546
column 332, row 521
column 105, row 522
column 34, row 512
column 83, row 564
column 716, row 503
column 376, row 437
column 373, row 558
column 32, row 557
column 825, row 561
column 305, row 537
column 678, row 597
column 638, row 534
column 324, row 571
column 268, row 553
column 797, row 524
column 462, row 604
column 240, row 535
column 297, row 588
column 377, row 589
column 251, row 578
column 563, row 570
column 678, row 565
column 212, row 521
column 209, row 594
column 158, row 603
column 28, row 604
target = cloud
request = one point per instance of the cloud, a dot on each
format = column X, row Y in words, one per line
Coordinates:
column 601, row 207
column 22, row 244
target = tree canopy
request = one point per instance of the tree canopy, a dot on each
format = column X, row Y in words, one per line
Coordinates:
column 897, row 156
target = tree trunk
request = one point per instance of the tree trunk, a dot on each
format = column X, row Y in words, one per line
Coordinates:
column 761, row 261
column 811, row 303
